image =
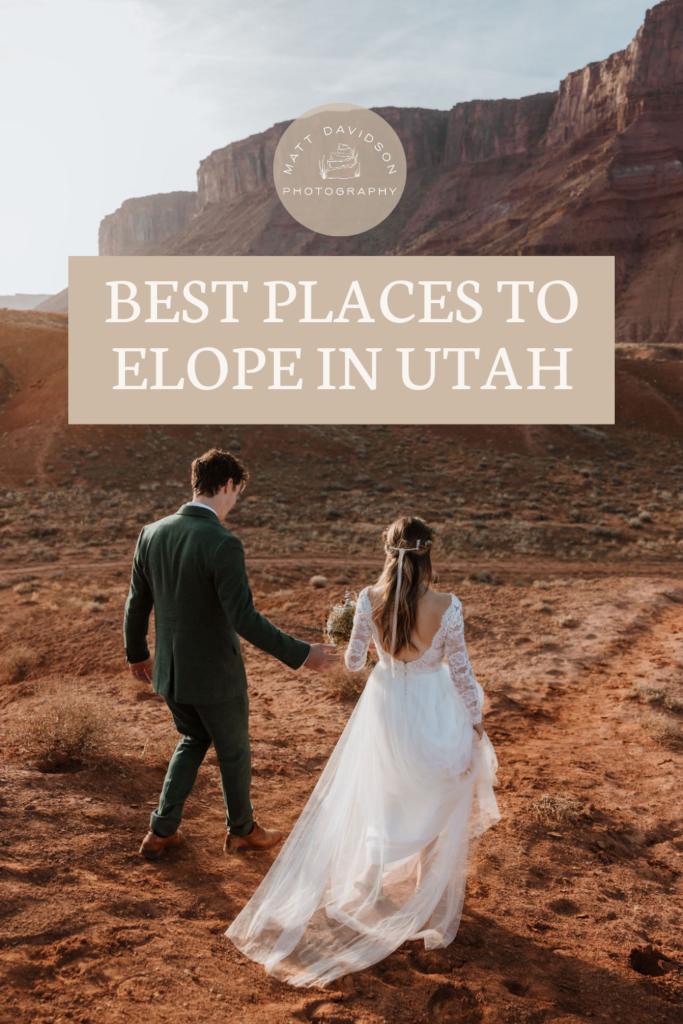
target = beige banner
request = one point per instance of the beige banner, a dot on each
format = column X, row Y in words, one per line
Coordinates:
column 341, row 339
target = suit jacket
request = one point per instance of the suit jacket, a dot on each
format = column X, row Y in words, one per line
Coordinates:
column 191, row 569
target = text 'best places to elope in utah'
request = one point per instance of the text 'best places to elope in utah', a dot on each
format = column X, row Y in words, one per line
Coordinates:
column 493, row 836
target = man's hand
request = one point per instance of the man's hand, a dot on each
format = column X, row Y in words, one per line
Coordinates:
column 322, row 657
column 479, row 729
column 142, row 670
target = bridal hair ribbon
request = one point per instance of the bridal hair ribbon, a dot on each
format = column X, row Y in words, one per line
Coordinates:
column 401, row 556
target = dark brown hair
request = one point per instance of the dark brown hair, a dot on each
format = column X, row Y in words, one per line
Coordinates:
column 214, row 468
column 418, row 576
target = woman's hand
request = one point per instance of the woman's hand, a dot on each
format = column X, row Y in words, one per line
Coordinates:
column 479, row 729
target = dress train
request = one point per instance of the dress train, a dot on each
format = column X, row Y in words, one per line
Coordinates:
column 381, row 850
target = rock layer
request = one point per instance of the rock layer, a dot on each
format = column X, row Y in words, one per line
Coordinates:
column 238, row 168
column 145, row 221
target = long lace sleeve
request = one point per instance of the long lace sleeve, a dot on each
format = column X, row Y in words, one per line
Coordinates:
column 361, row 633
column 459, row 663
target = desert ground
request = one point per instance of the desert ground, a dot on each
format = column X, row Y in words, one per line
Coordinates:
column 565, row 545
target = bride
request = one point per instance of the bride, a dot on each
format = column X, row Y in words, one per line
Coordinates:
column 381, row 850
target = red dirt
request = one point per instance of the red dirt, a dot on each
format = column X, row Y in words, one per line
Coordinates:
column 585, row 523
column 92, row 932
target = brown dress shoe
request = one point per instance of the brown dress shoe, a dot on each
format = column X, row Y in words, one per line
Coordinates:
column 258, row 839
column 153, row 845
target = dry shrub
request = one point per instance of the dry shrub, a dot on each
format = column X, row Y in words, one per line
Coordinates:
column 343, row 684
column 541, row 606
column 91, row 606
column 494, row 684
column 483, row 576
column 42, row 554
column 159, row 749
column 566, row 621
column 318, row 582
column 556, row 810
column 661, row 728
column 648, row 694
column 672, row 702
column 95, row 594
column 85, row 605
column 545, row 642
column 72, row 722
column 17, row 663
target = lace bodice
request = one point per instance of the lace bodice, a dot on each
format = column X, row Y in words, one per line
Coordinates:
column 448, row 644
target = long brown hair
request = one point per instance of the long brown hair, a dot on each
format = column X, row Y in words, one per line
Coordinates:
column 417, row 576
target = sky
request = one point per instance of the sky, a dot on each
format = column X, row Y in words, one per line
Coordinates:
column 103, row 100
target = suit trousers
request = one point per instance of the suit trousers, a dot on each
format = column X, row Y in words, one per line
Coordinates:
column 226, row 725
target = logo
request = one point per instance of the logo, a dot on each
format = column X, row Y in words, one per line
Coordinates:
column 343, row 163
column 339, row 169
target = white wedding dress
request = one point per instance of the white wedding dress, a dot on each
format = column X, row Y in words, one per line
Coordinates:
column 380, row 852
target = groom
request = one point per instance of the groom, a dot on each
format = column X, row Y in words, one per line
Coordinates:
column 191, row 570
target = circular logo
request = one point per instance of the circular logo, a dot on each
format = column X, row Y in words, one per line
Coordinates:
column 339, row 169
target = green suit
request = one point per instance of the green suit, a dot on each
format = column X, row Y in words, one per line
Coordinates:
column 191, row 570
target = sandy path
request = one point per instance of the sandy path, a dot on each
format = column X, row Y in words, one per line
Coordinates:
column 503, row 567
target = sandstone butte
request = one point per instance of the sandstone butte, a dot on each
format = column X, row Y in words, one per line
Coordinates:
column 594, row 168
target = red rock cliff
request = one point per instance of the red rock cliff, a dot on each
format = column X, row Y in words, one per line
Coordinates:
column 594, row 168
column 247, row 166
column 610, row 95
column 604, row 97
column 144, row 221
column 238, row 168
column 485, row 129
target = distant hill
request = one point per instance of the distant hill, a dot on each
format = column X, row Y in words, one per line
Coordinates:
column 58, row 303
column 22, row 301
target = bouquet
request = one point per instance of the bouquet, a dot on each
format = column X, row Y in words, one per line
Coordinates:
column 340, row 620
